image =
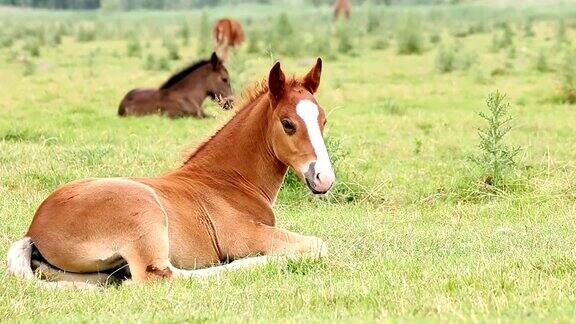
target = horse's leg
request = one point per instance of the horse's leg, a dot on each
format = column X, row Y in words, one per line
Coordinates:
column 184, row 107
column 283, row 242
column 226, row 52
column 236, row 265
column 148, row 257
column 270, row 240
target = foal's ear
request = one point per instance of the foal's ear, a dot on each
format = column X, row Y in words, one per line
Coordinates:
column 214, row 60
column 312, row 79
column 276, row 81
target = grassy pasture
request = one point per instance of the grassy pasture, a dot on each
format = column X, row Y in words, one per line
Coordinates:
column 414, row 232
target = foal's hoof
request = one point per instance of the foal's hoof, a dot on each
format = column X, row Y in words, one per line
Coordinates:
column 319, row 249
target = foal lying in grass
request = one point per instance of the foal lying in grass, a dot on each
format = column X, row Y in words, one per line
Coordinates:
column 216, row 207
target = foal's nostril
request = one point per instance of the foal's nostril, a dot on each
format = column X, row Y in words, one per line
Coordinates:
column 318, row 176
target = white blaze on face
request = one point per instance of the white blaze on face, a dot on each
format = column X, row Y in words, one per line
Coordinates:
column 324, row 174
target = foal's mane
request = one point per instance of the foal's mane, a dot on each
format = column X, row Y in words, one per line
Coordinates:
column 179, row 76
column 249, row 95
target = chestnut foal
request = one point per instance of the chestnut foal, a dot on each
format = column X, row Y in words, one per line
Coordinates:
column 342, row 8
column 228, row 33
column 216, row 207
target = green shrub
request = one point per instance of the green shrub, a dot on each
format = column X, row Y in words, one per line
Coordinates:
column 561, row 33
column 345, row 45
column 435, row 38
column 512, row 52
column 39, row 35
column 29, row 67
column 500, row 70
column 541, row 63
column 322, row 45
column 381, row 44
column 6, row 41
column 150, row 63
column 496, row 158
column 504, row 41
column 568, row 78
column 283, row 27
column 409, row 37
column 56, row 39
column 528, row 29
column 185, row 33
column 445, row 60
column 392, row 107
column 156, row 64
column 253, row 43
column 172, row 48
column 495, row 44
column 507, row 36
column 466, row 59
column 85, row 34
column 453, row 58
column 134, row 48
column 462, row 31
column 163, row 64
column 282, row 38
column 480, row 75
column 32, row 47
column 372, row 21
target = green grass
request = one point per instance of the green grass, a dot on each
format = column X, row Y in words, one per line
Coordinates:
column 411, row 244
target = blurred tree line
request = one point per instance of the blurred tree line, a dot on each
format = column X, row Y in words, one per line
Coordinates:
column 54, row 4
column 177, row 4
column 113, row 4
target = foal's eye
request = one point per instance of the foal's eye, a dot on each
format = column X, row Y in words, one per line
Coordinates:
column 225, row 79
column 288, row 125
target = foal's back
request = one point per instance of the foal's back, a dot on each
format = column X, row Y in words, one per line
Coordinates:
column 141, row 101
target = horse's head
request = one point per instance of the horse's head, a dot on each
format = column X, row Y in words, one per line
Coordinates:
column 218, row 83
column 298, row 125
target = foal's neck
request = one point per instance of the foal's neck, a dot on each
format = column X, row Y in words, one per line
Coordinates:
column 240, row 154
column 192, row 88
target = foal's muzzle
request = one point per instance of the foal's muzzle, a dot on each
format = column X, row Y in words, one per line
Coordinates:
column 228, row 103
column 224, row 102
column 319, row 181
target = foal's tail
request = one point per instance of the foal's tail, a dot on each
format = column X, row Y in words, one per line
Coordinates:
column 122, row 109
column 20, row 259
column 20, row 265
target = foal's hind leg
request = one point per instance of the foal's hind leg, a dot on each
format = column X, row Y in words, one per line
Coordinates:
column 148, row 260
column 148, row 257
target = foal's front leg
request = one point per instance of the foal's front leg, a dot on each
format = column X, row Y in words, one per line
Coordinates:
column 188, row 107
column 267, row 240
column 277, row 241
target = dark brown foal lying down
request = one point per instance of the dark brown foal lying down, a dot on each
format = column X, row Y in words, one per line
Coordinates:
column 183, row 94
column 216, row 207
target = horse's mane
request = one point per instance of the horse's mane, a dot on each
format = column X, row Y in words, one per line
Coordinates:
column 258, row 88
column 249, row 95
column 179, row 76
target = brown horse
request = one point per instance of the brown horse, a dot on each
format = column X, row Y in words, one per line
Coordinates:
column 215, row 208
column 183, row 94
column 342, row 8
column 228, row 34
